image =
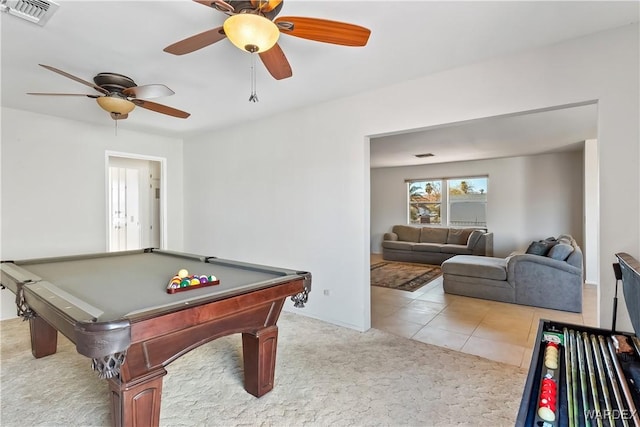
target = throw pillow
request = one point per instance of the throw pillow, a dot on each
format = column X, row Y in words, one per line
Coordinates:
column 561, row 251
column 458, row 236
column 565, row 238
column 538, row 248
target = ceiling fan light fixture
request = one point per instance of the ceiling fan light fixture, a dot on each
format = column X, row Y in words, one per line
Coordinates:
column 251, row 32
column 113, row 104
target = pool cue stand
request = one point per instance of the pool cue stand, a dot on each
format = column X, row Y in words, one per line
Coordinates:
column 618, row 274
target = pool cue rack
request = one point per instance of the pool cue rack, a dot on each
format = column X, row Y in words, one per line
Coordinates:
column 592, row 386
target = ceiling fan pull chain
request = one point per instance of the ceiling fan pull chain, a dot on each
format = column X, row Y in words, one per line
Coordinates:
column 254, row 96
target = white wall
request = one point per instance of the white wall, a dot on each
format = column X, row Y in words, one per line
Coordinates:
column 529, row 198
column 592, row 212
column 293, row 189
column 53, row 186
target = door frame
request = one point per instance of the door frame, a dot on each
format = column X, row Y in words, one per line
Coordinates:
column 163, row 191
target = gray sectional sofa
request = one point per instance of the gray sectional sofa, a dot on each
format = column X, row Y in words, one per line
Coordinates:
column 548, row 279
column 433, row 245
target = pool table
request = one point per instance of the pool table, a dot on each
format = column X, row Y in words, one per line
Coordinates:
column 116, row 309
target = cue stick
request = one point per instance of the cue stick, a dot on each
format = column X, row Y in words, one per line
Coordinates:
column 603, row 379
column 574, row 375
column 612, row 376
column 583, row 378
column 623, row 383
column 567, row 372
column 592, row 376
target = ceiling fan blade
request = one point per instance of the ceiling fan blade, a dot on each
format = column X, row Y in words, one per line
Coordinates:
column 159, row 108
column 63, row 94
column 193, row 43
column 276, row 62
column 323, row 30
column 148, row 91
column 265, row 5
column 116, row 116
column 72, row 77
column 217, row 4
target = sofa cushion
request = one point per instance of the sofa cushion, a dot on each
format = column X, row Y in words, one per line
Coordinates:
column 433, row 235
column 560, row 252
column 476, row 266
column 575, row 259
column 456, row 249
column 390, row 244
column 427, row 247
column 458, row 236
column 407, row 233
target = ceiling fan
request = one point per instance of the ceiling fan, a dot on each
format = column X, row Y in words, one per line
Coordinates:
column 119, row 94
column 259, row 16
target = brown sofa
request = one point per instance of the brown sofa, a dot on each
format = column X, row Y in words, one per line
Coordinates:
column 434, row 245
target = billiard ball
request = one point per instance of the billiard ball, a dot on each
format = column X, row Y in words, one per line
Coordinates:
column 185, row 283
column 194, row 281
column 182, row 273
column 546, row 413
column 212, row 278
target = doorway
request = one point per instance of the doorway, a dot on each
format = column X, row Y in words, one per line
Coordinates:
column 135, row 202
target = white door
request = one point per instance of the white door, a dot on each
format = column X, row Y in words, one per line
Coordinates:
column 154, row 215
column 124, row 209
column 134, row 203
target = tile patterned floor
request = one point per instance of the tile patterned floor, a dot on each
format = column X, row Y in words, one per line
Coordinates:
column 494, row 330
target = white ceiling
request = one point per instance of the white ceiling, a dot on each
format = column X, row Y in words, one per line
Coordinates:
column 561, row 129
column 409, row 39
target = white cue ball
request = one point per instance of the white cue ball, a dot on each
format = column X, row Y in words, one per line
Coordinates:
column 546, row 414
column 183, row 273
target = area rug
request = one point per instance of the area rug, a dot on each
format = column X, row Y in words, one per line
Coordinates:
column 403, row 276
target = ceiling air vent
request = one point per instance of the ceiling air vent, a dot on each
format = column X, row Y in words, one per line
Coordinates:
column 36, row 11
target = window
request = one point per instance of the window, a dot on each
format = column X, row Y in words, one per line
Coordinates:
column 425, row 199
column 451, row 202
column 468, row 201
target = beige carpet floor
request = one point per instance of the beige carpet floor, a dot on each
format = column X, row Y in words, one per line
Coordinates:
column 326, row 375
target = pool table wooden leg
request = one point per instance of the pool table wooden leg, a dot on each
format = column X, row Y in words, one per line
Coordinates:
column 44, row 337
column 259, row 353
column 137, row 403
